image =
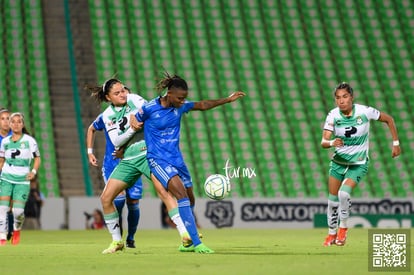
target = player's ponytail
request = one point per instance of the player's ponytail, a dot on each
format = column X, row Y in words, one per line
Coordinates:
column 99, row 92
column 170, row 82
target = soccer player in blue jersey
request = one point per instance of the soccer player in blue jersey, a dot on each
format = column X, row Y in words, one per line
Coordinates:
column 121, row 134
column 347, row 130
column 132, row 194
column 4, row 123
column 162, row 121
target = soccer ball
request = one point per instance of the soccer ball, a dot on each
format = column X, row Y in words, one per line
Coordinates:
column 217, row 187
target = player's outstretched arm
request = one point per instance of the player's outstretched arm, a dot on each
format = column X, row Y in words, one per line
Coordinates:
column 208, row 104
column 389, row 120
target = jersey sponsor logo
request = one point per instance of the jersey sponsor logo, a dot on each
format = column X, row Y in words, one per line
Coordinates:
column 350, row 131
column 111, row 122
column 168, row 133
column 15, row 153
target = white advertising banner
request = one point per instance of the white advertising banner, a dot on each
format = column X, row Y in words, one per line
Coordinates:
column 252, row 213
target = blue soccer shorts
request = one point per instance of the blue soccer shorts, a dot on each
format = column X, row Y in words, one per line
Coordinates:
column 164, row 171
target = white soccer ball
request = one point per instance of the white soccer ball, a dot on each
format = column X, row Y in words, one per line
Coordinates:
column 217, row 187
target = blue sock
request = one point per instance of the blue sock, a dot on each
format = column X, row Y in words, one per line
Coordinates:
column 188, row 219
column 194, row 215
column 119, row 205
column 133, row 219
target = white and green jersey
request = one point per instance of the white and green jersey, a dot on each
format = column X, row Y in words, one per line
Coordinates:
column 18, row 157
column 116, row 120
column 354, row 131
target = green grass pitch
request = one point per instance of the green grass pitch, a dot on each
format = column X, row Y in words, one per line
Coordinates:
column 238, row 251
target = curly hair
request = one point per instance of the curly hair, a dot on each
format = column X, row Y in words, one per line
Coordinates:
column 170, row 82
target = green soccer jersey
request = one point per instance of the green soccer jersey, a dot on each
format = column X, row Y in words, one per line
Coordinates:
column 18, row 157
column 116, row 120
column 354, row 131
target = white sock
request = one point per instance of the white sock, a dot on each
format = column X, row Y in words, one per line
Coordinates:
column 3, row 221
column 18, row 214
column 332, row 216
column 112, row 223
column 344, row 206
column 176, row 218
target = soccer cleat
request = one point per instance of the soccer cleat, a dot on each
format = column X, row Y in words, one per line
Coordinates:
column 130, row 244
column 341, row 238
column 183, row 248
column 203, row 249
column 3, row 242
column 186, row 240
column 114, row 247
column 329, row 240
column 15, row 240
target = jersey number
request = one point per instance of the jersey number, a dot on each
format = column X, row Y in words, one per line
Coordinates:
column 349, row 131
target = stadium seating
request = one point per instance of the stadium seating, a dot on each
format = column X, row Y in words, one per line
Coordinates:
column 287, row 56
column 23, row 74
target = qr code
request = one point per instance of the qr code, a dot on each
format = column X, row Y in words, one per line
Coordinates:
column 390, row 250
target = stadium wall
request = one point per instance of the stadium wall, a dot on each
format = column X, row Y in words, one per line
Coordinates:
column 241, row 213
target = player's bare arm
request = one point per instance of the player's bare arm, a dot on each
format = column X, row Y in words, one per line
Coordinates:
column 327, row 142
column 389, row 120
column 90, row 138
column 134, row 123
column 212, row 103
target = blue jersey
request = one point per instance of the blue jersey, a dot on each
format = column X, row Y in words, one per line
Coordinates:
column 9, row 134
column 162, row 130
column 109, row 163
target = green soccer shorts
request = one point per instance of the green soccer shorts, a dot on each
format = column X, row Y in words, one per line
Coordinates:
column 129, row 170
column 354, row 172
column 19, row 192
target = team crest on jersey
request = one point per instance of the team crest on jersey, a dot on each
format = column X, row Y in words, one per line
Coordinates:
column 22, row 146
column 359, row 120
column 176, row 112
